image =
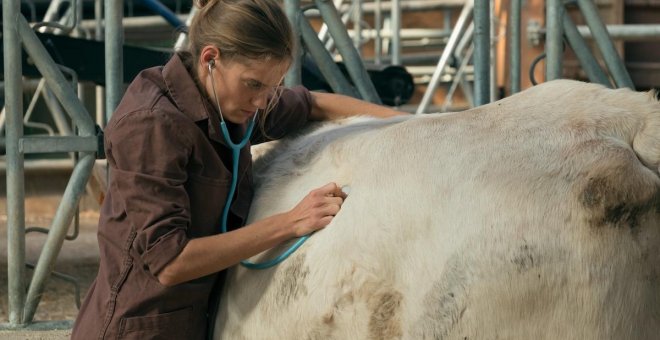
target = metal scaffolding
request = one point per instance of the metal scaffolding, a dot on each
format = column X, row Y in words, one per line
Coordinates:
column 19, row 35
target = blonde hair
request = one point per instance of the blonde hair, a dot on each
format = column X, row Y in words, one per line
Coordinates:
column 242, row 30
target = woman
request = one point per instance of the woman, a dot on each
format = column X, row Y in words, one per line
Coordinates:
column 161, row 250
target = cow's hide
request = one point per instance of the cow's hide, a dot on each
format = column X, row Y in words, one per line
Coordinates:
column 534, row 217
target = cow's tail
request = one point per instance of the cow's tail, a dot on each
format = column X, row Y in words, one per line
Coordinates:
column 647, row 141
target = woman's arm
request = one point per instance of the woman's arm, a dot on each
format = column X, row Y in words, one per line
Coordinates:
column 329, row 106
column 207, row 255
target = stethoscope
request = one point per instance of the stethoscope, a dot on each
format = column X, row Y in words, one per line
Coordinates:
column 236, row 151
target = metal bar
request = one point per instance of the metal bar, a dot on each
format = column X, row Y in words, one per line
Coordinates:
column 627, row 32
column 457, row 79
column 407, row 5
column 30, row 110
column 57, row 144
column 378, row 40
column 321, row 56
column 66, row 23
column 514, row 46
column 51, row 14
column 54, row 78
column 329, row 42
column 587, row 60
column 57, row 112
column 465, row 41
column 323, row 31
column 408, row 33
column 294, row 74
column 444, row 58
column 114, row 59
column 467, row 90
column 492, row 57
column 350, row 56
column 182, row 40
column 3, row 116
column 553, row 40
column 162, row 10
column 396, row 32
column 58, row 230
column 11, row 16
column 357, row 25
column 612, row 61
column 98, row 35
column 481, row 52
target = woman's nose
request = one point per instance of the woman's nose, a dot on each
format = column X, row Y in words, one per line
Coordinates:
column 260, row 100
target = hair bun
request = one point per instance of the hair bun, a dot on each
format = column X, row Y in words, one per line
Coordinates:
column 204, row 3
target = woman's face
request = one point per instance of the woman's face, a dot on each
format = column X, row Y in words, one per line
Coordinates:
column 243, row 87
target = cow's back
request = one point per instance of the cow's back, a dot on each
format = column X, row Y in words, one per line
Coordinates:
column 533, row 217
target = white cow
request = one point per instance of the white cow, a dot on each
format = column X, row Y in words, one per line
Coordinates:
column 534, row 217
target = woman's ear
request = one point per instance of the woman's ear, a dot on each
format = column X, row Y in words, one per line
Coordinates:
column 209, row 56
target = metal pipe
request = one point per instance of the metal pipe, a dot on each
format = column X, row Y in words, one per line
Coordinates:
column 349, row 54
column 627, row 32
column 407, row 5
column 446, row 54
column 329, row 43
column 554, row 39
column 54, row 78
column 321, row 56
column 3, row 116
column 98, row 35
column 466, row 40
column 612, row 61
column 137, row 24
column 481, row 52
column 514, row 46
column 182, row 40
column 396, row 32
column 67, row 23
column 58, row 230
column 408, row 33
column 57, row 112
column 30, row 109
column 492, row 59
column 587, row 60
column 378, row 40
column 467, row 90
column 293, row 13
column 55, row 144
column 51, row 14
column 357, row 25
column 457, row 79
column 114, row 59
column 323, row 31
column 11, row 15
column 162, row 10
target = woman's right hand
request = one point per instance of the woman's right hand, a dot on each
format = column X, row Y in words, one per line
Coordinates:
column 316, row 210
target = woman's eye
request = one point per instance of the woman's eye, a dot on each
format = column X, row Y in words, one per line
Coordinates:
column 254, row 85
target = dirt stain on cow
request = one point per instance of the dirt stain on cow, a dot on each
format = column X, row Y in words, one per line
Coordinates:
column 525, row 258
column 385, row 322
column 618, row 204
column 293, row 280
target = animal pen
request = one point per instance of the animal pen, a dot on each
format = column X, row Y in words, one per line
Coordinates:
column 359, row 48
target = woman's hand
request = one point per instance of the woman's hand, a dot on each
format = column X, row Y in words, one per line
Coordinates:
column 316, row 210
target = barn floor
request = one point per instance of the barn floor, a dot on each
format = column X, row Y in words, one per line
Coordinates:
column 78, row 258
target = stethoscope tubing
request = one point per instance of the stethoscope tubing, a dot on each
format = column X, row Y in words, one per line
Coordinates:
column 236, row 151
